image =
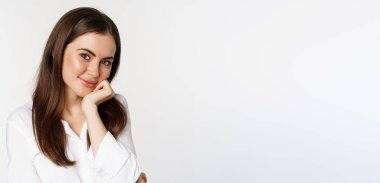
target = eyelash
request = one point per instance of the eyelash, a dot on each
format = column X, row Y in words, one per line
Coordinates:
column 83, row 55
column 104, row 62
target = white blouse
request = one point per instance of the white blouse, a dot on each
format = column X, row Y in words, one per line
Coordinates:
column 115, row 161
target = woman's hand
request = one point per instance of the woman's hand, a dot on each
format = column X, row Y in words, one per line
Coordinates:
column 101, row 93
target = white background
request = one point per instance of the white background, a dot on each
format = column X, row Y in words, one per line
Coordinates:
column 229, row 91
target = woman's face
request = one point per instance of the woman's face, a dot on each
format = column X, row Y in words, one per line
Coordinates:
column 87, row 61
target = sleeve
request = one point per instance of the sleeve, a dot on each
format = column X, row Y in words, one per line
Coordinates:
column 116, row 159
column 20, row 167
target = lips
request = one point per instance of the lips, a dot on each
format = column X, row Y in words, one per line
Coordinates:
column 88, row 83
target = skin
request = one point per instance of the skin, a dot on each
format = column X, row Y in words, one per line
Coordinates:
column 82, row 98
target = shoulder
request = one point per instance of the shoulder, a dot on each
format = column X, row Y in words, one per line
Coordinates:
column 121, row 99
column 19, row 129
column 21, row 119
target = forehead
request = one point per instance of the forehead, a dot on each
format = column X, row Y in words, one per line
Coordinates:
column 100, row 44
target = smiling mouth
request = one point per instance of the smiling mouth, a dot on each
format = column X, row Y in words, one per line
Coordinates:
column 87, row 83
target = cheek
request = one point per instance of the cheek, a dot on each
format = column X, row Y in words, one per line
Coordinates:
column 105, row 73
column 72, row 68
column 76, row 66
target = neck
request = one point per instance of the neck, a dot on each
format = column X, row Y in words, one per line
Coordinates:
column 73, row 105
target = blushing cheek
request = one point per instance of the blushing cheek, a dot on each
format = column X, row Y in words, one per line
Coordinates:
column 78, row 66
column 105, row 73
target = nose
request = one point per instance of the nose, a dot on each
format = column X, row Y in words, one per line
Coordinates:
column 93, row 69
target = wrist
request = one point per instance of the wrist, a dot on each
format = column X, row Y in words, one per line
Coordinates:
column 89, row 107
column 90, row 110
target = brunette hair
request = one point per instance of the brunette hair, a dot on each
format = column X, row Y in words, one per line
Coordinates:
column 48, row 96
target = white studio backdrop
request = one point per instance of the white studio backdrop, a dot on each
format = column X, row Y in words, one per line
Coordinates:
column 229, row 91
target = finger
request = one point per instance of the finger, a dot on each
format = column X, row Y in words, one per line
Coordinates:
column 106, row 85
column 99, row 86
column 104, row 89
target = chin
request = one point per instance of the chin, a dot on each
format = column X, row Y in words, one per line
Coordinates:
column 78, row 90
column 82, row 92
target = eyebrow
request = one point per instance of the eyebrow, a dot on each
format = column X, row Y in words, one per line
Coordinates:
column 92, row 53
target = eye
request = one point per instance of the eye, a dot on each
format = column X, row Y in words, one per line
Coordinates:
column 85, row 56
column 106, row 62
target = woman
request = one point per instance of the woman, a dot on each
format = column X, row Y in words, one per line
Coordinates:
column 75, row 129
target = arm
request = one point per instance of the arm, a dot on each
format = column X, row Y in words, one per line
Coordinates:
column 113, row 159
column 96, row 129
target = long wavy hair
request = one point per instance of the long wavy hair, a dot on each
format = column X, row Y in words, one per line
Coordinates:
column 48, row 96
